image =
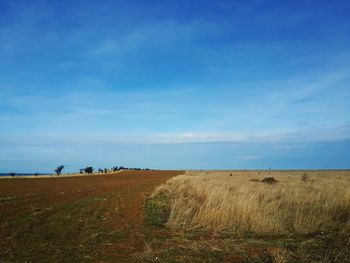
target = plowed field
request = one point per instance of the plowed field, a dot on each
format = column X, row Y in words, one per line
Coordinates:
column 95, row 218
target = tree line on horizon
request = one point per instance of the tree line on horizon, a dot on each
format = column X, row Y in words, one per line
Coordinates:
column 90, row 169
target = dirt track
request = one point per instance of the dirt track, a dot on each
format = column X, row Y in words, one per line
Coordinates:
column 44, row 199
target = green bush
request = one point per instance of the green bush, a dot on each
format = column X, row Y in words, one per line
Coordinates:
column 157, row 210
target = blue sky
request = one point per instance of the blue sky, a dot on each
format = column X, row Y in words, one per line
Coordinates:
column 174, row 84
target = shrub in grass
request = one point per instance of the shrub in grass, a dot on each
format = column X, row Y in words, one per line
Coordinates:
column 269, row 180
column 304, row 177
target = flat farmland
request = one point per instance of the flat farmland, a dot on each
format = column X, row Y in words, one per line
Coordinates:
column 177, row 216
column 75, row 219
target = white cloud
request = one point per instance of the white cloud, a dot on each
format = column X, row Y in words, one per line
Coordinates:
column 313, row 134
column 250, row 157
column 316, row 134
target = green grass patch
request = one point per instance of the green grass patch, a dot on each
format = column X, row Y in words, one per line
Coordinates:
column 157, row 210
column 112, row 236
column 6, row 199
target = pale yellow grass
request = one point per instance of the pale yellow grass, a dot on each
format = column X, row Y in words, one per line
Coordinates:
column 228, row 200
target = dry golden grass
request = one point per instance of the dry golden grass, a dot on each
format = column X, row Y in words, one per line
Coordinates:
column 230, row 201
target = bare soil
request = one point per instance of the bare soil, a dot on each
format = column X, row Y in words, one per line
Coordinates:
column 95, row 218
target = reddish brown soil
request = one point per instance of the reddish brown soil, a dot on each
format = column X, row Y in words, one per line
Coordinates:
column 42, row 193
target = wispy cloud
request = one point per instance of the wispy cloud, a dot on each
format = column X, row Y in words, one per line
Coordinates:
column 165, row 34
column 176, row 114
column 329, row 133
column 310, row 135
column 250, row 157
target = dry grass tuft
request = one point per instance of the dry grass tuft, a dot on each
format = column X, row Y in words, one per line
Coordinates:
column 216, row 201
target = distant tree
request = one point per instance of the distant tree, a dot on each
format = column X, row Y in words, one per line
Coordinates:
column 100, row 170
column 59, row 169
column 105, row 170
column 12, row 174
column 89, row 170
column 36, row 174
column 81, row 170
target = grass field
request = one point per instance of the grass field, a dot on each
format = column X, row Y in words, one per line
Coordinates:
column 302, row 217
column 168, row 216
